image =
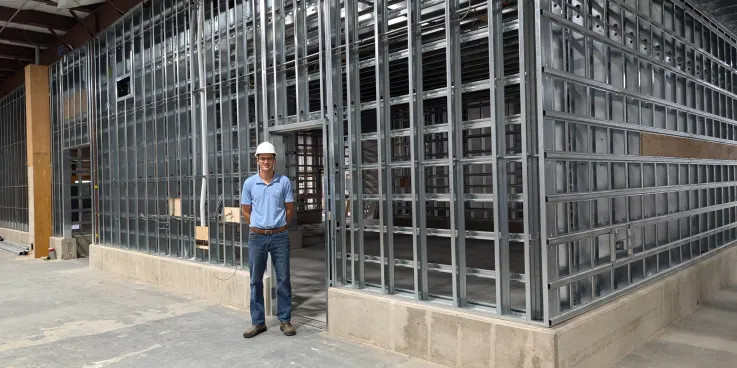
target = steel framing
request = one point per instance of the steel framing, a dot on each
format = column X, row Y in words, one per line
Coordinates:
column 491, row 148
column 71, row 109
column 304, row 155
column 13, row 161
column 611, row 70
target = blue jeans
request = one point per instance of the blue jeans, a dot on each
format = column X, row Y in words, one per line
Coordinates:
column 259, row 247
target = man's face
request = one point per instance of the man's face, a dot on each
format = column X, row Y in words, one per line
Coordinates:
column 266, row 162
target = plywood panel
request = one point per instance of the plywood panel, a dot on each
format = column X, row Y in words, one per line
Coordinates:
column 232, row 214
column 175, row 207
column 668, row 146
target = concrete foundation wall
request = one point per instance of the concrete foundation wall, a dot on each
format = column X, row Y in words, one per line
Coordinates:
column 219, row 284
column 462, row 339
column 444, row 336
column 15, row 236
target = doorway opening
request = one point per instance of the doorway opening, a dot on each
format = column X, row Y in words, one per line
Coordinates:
column 304, row 165
column 75, row 208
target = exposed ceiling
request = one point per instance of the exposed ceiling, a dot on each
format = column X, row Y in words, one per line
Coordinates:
column 56, row 26
column 50, row 27
column 29, row 24
column 725, row 11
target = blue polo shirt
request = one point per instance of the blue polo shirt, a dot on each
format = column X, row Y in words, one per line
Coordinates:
column 268, row 210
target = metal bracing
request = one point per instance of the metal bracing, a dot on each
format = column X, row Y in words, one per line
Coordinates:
column 426, row 137
column 304, row 167
column 483, row 154
column 13, row 161
column 612, row 72
column 407, row 164
column 71, row 103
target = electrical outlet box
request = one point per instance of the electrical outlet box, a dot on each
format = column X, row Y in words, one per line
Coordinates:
column 201, row 233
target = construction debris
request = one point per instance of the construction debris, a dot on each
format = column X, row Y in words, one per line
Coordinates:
column 20, row 250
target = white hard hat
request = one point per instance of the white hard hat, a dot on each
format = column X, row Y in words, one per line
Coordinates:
column 265, row 147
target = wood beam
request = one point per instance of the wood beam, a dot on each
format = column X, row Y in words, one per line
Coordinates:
column 36, row 18
column 669, row 146
column 38, row 131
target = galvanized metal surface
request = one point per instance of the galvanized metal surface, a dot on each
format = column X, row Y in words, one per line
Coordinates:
column 13, row 161
column 613, row 69
column 15, row 249
column 71, row 108
column 503, row 178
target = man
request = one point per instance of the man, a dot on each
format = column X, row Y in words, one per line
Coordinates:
column 268, row 206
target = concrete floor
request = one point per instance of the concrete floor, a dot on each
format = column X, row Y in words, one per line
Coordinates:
column 309, row 289
column 707, row 338
column 63, row 314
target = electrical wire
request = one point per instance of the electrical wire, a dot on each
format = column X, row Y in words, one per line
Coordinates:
column 164, row 219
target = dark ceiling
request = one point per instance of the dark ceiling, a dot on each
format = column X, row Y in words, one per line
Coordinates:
column 27, row 24
column 54, row 27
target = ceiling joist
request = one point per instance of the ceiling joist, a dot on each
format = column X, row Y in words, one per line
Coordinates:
column 16, row 52
column 36, row 18
column 11, row 64
column 84, row 8
column 30, row 38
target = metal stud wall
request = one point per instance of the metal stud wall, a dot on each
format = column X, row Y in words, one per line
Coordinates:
column 614, row 70
column 155, row 143
column 423, row 128
column 491, row 148
column 305, row 168
column 13, row 162
column 70, row 86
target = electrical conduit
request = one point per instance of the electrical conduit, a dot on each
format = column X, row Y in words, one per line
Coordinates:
column 203, row 109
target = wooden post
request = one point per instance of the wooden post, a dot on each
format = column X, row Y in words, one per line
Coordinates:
column 38, row 128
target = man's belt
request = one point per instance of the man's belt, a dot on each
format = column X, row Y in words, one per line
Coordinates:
column 269, row 231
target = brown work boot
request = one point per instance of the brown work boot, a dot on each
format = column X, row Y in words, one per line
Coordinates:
column 287, row 328
column 253, row 331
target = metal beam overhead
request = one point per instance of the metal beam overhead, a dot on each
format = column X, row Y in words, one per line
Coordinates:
column 36, row 18
column 26, row 37
column 16, row 52
column 82, row 8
